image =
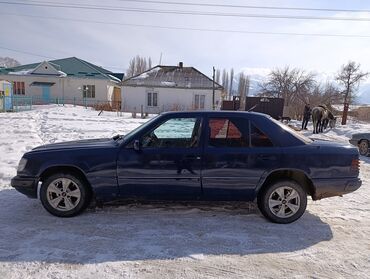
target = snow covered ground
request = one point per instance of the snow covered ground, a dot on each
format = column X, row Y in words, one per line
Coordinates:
column 331, row 240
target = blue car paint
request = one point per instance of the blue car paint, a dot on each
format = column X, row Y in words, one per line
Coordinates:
column 115, row 169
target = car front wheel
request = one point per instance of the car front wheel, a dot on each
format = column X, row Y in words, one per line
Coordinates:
column 64, row 195
column 363, row 147
column 282, row 202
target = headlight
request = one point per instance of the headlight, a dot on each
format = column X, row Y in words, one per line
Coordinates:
column 22, row 164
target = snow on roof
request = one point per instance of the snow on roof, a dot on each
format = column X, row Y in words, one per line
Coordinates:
column 168, row 83
column 172, row 76
column 22, row 72
column 142, row 76
column 62, row 74
column 114, row 78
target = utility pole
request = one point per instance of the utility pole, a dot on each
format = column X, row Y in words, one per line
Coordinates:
column 213, row 89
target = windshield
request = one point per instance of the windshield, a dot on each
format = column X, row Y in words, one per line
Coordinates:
column 292, row 132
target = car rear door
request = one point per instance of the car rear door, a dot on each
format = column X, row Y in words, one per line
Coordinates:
column 168, row 164
column 236, row 155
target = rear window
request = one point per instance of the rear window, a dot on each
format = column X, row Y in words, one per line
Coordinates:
column 292, row 132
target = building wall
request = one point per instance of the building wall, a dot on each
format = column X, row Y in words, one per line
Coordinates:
column 64, row 87
column 363, row 113
column 169, row 99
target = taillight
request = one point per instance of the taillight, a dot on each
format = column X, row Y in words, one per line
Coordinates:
column 355, row 165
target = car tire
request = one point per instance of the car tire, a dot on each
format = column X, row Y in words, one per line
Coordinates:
column 282, row 202
column 363, row 147
column 64, row 194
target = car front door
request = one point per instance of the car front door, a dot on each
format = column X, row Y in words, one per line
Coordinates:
column 163, row 163
column 236, row 155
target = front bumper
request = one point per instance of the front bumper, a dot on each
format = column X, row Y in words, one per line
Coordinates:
column 329, row 187
column 26, row 185
column 353, row 142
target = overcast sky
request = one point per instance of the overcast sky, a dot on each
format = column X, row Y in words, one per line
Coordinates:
column 112, row 45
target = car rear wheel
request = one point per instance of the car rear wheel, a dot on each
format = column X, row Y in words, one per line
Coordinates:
column 282, row 202
column 363, row 147
column 64, row 195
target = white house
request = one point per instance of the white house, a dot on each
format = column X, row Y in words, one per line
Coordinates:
column 70, row 80
column 167, row 88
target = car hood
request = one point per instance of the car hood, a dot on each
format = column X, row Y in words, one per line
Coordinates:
column 78, row 144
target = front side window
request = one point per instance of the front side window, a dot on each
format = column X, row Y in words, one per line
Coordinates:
column 176, row 132
column 228, row 132
column 88, row 91
column 152, row 99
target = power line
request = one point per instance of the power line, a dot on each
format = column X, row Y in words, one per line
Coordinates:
column 189, row 28
column 48, row 57
column 247, row 6
column 26, row 52
column 182, row 12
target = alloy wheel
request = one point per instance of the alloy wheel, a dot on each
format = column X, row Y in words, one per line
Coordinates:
column 63, row 194
column 284, row 202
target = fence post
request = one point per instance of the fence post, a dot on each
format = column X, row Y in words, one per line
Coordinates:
column 74, row 101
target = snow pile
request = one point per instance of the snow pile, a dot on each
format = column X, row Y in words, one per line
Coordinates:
column 331, row 240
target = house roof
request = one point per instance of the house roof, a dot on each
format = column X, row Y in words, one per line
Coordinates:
column 172, row 77
column 72, row 66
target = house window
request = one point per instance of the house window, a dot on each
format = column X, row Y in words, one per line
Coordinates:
column 18, row 88
column 152, row 99
column 88, row 91
column 199, row 101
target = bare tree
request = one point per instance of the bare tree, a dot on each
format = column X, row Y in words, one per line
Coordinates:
column 225, row 81
column 349, row 77
column 243, row 89
column 231, row 81
column 137, row 65
column 149, row 62
column 290, row 84
column 218, row 76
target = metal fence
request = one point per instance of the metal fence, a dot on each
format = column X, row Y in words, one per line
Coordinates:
column 15, row 103
column 20, row 103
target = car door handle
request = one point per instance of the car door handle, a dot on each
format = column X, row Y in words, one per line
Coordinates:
column 192, row 157
column 267, row 157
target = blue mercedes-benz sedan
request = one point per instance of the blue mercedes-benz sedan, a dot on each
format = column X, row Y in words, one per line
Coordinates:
column 217, row 155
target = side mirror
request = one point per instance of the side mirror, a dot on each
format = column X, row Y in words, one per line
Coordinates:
column 137, row 145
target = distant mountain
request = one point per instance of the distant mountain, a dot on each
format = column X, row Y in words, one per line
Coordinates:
column 7, row 62
column 364, row 94
column 256, row 76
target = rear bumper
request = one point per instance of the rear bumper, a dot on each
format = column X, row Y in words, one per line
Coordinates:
column 26, row 185
column 330, row 187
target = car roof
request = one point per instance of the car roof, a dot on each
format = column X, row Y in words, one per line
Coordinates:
column 214, row 112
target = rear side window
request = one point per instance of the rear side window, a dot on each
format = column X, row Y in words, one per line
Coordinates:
column 258, row 138
column 228, row 132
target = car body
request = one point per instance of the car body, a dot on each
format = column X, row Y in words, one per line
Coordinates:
column 216, row 155
column 362, row 141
